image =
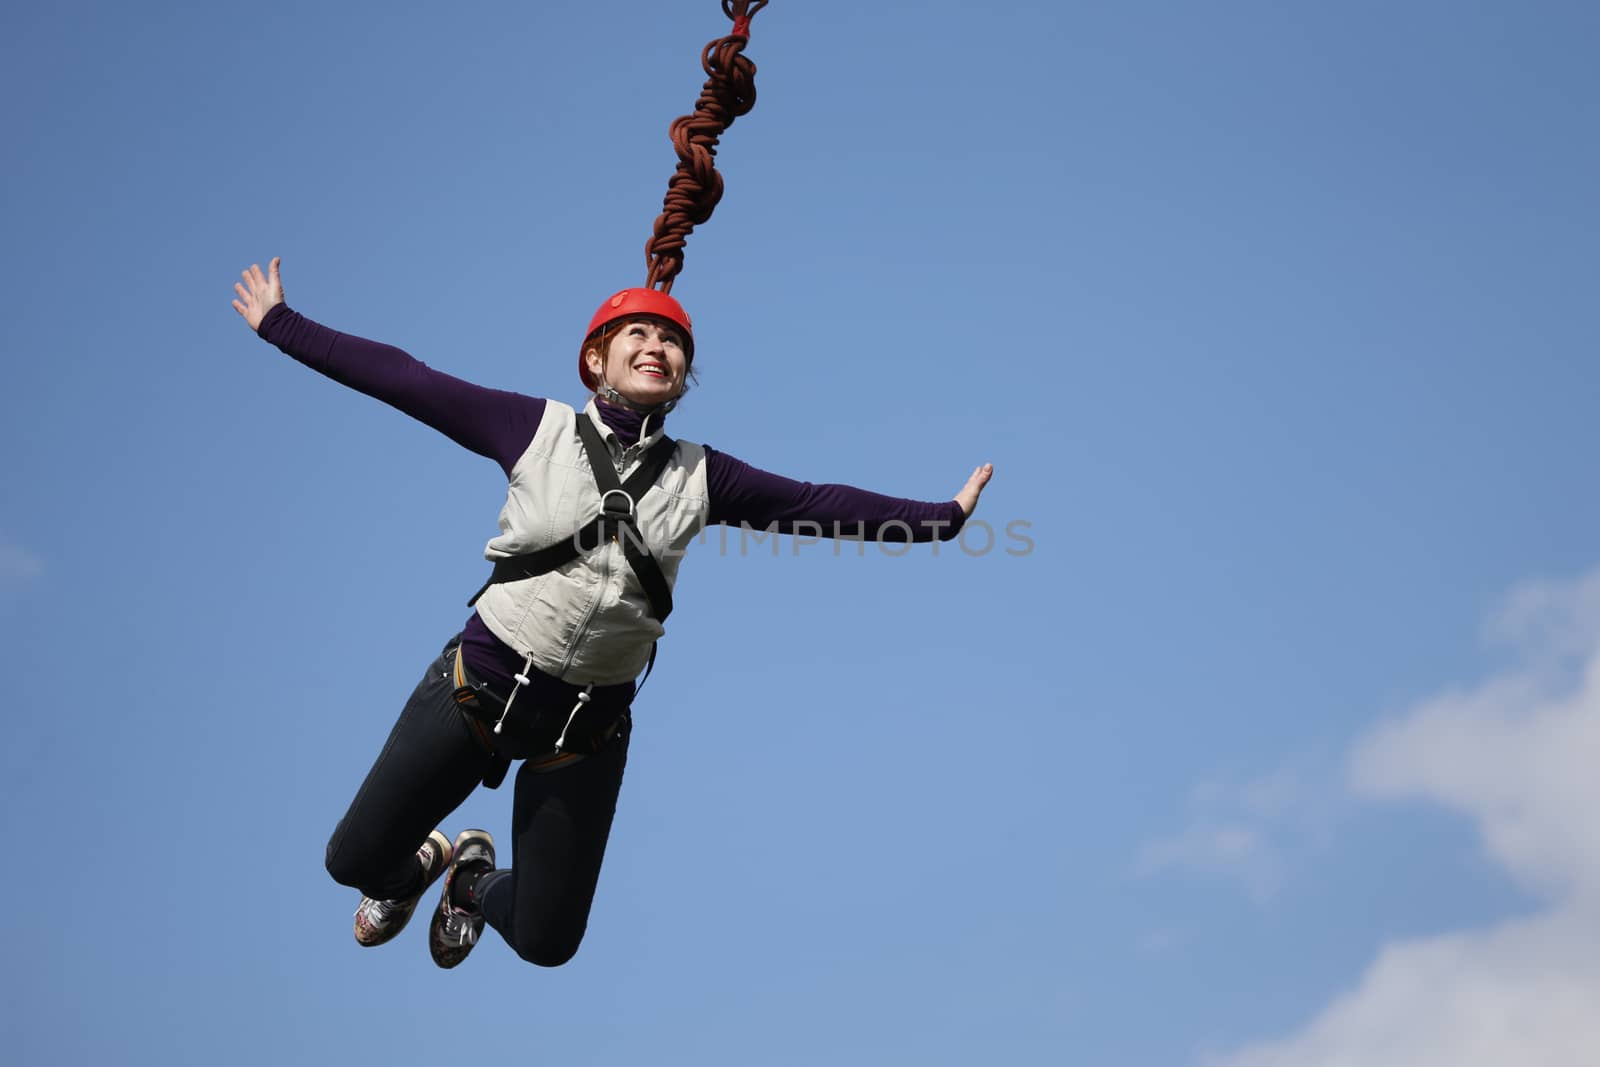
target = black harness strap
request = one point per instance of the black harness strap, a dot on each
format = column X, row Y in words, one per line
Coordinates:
column 618, row 511
column 617, row 521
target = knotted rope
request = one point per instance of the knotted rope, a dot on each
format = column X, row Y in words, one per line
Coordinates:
column 696, row 187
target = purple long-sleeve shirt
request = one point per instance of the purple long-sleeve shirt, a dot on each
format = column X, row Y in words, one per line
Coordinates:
column 499, row 425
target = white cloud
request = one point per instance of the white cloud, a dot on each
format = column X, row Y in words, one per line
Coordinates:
column 1548, row 619
column 1523, row 994
column 1242, row 832
column 18, row 563
column 1518, row 754
column 1228, row 850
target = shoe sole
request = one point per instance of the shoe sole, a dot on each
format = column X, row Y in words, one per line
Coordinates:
column 441, row 847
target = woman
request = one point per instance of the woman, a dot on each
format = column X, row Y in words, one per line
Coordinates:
column 600, row 507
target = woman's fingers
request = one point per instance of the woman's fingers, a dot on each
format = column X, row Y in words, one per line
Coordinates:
column 258, row 291
column 968, row 497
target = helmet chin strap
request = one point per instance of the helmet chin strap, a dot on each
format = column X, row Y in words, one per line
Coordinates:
column 605, row 392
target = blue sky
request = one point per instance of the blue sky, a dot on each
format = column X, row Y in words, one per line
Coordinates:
column 1277, row 322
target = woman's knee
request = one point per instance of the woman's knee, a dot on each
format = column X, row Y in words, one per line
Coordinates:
column 547, row 951
column 343, row 865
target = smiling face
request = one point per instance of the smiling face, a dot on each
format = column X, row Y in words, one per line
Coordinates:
column 644, row 361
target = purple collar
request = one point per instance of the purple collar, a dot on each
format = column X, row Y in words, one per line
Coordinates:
column 625, row 423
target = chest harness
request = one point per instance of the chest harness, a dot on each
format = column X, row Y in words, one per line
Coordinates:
column 617, row 521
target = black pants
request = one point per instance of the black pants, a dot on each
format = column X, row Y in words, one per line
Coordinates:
column 560, row 820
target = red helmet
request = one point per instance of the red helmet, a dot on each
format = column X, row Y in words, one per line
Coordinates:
column 631, row 302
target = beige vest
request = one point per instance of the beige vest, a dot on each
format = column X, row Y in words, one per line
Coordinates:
column 587, row 621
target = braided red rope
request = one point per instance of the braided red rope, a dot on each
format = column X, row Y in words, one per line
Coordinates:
column 695, row 187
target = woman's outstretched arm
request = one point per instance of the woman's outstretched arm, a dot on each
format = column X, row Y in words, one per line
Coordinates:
column 746, row 495
column 491, row 422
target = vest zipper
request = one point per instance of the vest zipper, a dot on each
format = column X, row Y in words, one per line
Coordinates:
column 583, row 624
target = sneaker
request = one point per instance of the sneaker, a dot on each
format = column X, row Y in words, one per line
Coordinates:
column 378, row 921
column 455, row 930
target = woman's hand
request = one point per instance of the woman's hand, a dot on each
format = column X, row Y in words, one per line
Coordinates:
column 259, row 293
column 968, row 497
